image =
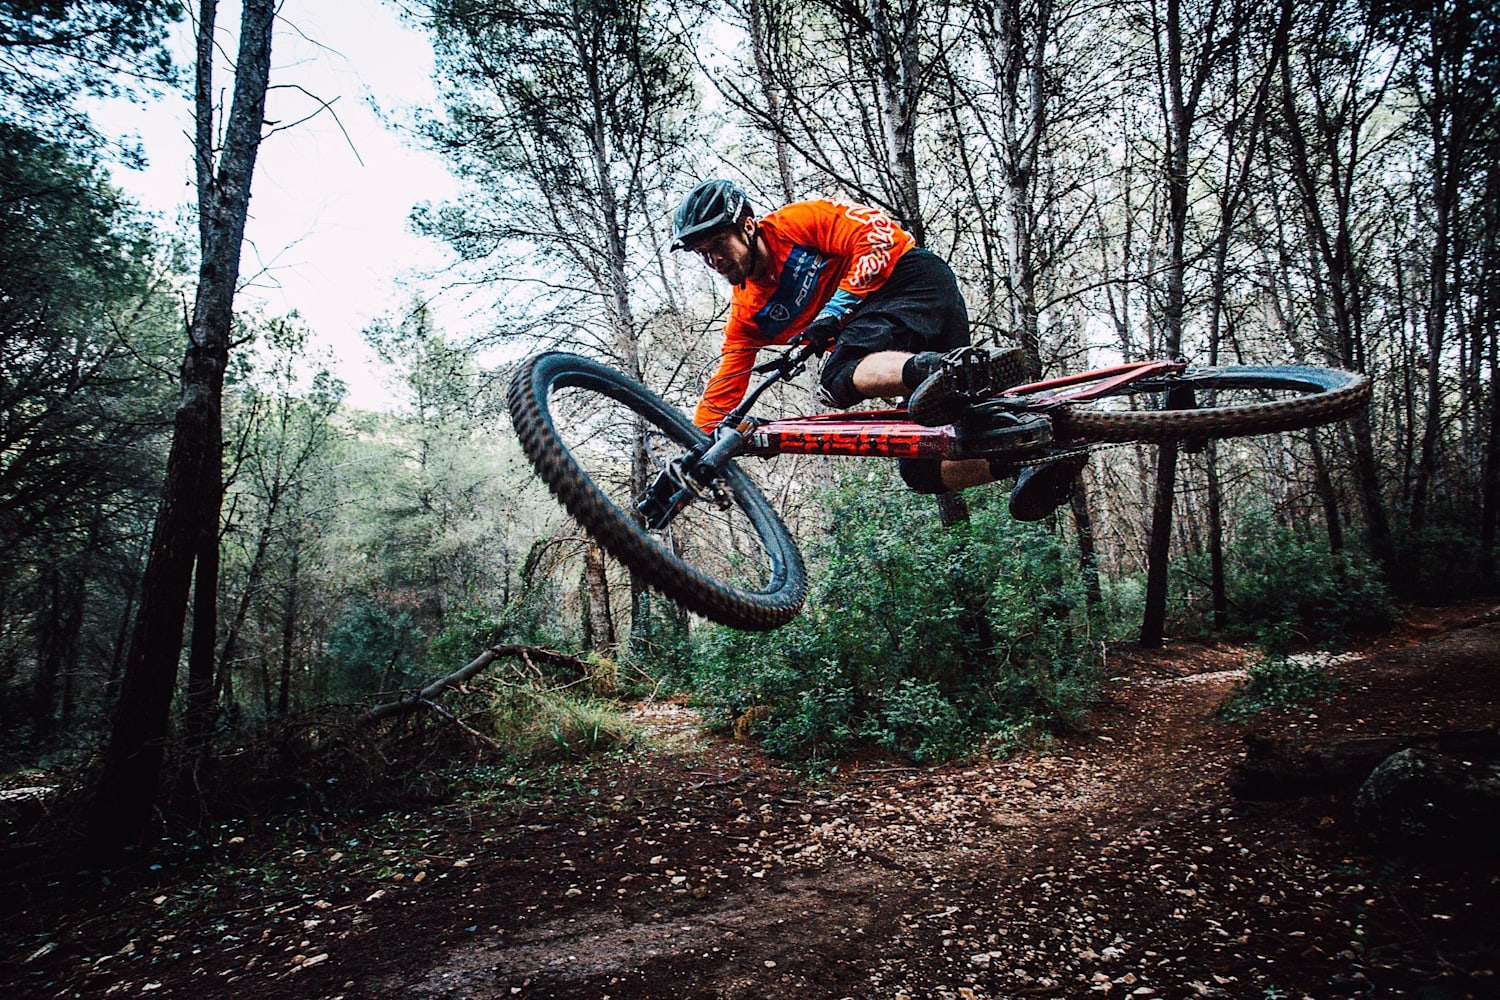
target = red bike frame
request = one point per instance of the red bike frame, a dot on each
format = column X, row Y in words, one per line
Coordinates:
column 892, row 434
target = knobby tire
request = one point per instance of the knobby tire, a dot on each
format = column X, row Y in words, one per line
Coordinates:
column 1322, row 395
column 770, row 604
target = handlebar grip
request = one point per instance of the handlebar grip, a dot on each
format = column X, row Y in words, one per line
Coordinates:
column 726, row 443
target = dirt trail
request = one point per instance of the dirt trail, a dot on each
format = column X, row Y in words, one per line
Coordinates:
column 1114, row 862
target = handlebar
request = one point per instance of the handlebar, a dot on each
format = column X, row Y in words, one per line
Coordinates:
column 789, row 363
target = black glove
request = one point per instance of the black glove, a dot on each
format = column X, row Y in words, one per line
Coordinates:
column 820, row 334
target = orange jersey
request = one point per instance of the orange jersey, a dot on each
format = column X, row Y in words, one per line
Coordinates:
column 826, row 256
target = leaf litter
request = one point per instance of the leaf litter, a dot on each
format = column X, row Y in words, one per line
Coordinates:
column 1112, row 862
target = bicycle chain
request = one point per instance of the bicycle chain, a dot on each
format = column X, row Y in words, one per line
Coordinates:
column 1026, row 460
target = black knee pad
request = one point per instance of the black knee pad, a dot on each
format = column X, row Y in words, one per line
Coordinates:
column 837, row 379
column 922, row 475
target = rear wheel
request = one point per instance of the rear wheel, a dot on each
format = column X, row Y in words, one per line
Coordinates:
column 597, row 438
column 1230, row 401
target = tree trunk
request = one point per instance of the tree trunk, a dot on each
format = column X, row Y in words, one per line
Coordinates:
column 288, row 634
column 616, row 283
column 1218, row 589
column 205, row 627
column 1179, row 106
column 1328, row 496
column 1490, row 512
column 122, row 636
column 50, row 633
column 72, row 623
column 952, row 509
column 1017, row 58
column 1088, row 552
column 1446, row 141
column 763, row 17
column 1232, row 197
column 601, row 623
column 1432, row 412
column 1154, row 620
column 897, row 76
column 224, row 683
column 126, row 789
column 1333, row 244
column 1488, row 320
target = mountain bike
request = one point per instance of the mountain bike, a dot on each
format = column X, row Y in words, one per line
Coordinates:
column 677, row 506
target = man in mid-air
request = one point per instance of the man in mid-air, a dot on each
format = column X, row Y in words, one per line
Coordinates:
column 847, row 280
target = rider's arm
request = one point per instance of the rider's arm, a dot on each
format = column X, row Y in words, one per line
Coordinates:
column 727, row 386
column 865, row 237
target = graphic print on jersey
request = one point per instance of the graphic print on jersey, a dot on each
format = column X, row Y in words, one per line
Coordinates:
column 794, row 291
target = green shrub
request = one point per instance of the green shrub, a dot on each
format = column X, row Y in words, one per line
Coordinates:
column 1280, row 579
column 465, row 633
column 1444, row 562
column 373, row 649
column 1286, row 588
column 1124, row 606
column 915, row 637
column 1275, row 681
column 916, row 718
column 531, row 620
column 661, row 642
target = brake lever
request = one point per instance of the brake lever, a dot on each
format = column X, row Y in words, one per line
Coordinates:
column 776, row 364
column 792, row 361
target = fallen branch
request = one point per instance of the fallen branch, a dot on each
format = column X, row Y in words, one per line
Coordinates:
column 655, row 684
column 530, row 655
column 474, row 734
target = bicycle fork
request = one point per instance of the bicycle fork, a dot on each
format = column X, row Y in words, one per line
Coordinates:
column 690, row 477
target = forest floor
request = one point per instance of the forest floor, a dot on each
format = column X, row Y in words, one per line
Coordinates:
column 1114, row 862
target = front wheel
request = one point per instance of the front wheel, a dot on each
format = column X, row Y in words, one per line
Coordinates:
column 597, row 438
column 1229, row 401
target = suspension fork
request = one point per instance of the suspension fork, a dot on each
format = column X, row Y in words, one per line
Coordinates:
column 697, row 472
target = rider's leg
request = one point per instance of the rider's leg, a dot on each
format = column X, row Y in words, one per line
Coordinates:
column 889, row 374
column 894, row 343
column 1039, row 490
column 849, row 376
column 927, row 475
column 880, row 375
column 852, row 375
column 969, row 472
column 918, row 309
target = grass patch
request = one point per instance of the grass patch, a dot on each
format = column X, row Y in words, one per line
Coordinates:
column 548, row 725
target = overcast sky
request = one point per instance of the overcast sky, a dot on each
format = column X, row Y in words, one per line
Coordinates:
column 327, row 227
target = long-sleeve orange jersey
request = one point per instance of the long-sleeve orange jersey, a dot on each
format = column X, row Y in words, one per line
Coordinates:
column 826, row 256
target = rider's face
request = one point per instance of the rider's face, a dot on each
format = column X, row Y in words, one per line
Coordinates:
column 728, row 252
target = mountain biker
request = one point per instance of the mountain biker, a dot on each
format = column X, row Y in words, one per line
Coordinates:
column 847, row 280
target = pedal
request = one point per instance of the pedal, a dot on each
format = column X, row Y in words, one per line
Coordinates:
column 990, row 430
column 970, row 372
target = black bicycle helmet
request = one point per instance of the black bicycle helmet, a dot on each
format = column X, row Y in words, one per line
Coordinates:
column 708, row 206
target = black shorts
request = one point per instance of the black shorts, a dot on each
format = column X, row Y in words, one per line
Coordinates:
column 919, row 308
